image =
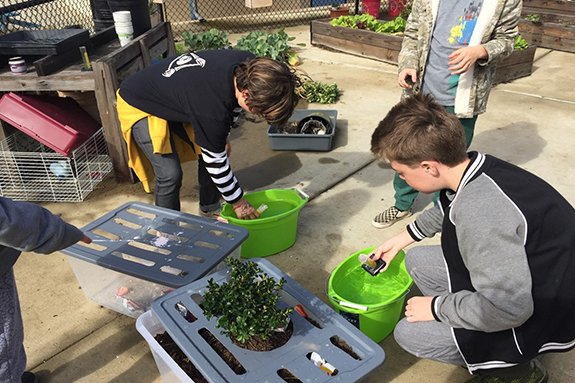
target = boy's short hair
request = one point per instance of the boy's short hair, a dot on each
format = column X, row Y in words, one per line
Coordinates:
column 419, row 129
column 271, row 88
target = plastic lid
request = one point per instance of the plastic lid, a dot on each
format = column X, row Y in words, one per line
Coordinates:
column 157, row 244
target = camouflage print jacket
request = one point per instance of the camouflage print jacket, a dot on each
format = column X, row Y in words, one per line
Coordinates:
column 496, row 30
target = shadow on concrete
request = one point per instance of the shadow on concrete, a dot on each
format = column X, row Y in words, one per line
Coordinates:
column 99, row 356
column 517, row 143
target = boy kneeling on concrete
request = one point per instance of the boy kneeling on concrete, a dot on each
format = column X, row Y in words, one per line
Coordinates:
column 498, row 291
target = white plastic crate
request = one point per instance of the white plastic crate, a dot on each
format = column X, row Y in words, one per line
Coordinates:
column 30, row 171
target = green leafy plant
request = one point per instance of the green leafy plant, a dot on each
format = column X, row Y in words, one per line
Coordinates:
column 246, row 305
column 271, row 45
column 367, row 21
column 520, row 43
column 313, row 91
column 212, row 39
column 534, row 17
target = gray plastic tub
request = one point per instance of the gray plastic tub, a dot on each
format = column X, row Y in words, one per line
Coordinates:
column 304, row 142
column 260, row 366
column 140, row 252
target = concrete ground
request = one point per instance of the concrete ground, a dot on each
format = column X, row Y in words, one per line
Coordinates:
column 529, row 122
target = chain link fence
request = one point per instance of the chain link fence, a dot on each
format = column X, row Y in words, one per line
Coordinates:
column 236, row 16
column 16, row 15
column 232, row 16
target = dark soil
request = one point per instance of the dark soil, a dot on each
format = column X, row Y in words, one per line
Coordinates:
column 344, row 347
column 278, row 339
column 179, row 357
column 256, row 343
column 287, row 376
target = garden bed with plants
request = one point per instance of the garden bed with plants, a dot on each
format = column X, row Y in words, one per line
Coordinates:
column 365, row 36
column 550, row 31
column 254, row 324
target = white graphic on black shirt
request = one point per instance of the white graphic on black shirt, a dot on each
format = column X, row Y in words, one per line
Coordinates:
column 184, row 61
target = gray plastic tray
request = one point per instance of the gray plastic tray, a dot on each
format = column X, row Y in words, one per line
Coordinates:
column 307, row 142
column 151, row 242
column 264, row 366
column 43, row 42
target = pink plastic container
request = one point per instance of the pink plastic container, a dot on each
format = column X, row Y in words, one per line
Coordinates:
column 59, row 123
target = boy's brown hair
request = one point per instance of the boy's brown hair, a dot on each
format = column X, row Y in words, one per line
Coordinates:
column 419, row 129
column 271, row 88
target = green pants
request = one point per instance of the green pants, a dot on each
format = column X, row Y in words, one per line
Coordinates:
column 405, row 194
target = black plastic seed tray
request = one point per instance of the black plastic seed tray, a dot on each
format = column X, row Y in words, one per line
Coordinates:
column 42, row 42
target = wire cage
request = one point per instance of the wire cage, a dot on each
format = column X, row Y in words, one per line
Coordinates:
column 30, row 171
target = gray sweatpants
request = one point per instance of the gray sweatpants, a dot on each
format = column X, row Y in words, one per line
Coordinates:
column 429, row 340
column 12, row 354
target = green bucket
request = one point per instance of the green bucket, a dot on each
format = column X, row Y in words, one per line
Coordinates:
column 371, row 303
column 275, row 230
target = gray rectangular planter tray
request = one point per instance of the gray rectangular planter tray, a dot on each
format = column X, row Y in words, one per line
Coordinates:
column 304, row 142
column 264, row 366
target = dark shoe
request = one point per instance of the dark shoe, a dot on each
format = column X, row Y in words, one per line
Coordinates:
column 538, row 374
column 28, row 377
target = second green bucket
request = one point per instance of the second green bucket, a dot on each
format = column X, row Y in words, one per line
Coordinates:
column 371, row 303
column 276, row 228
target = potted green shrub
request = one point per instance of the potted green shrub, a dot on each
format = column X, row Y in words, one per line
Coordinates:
column 253, row 300
column 246, row 307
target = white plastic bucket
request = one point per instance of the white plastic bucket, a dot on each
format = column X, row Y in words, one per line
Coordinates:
column 125, row 32
column 122, row 16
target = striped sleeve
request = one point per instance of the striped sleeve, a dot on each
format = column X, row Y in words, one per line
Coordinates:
column 218, row 167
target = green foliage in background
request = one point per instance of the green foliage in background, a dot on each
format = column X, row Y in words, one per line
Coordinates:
column 313, row 91
column 212, row 39
column 368, row 22
column 534, row 17
column 246, row 305
column 520, row 43
column 272, row 45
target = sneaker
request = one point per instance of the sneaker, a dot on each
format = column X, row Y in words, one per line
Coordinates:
column 389, row 217
column 28, row 377
column 538, row 374
column 215, row 214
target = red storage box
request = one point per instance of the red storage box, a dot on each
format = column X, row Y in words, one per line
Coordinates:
column 59, row 123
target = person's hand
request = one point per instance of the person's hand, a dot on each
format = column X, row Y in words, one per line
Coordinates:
column 389, row 249
column 244, row 210
column 86, row 239
column 463, row 58
column 418, row 309
column 228, row 148
column 407, row 78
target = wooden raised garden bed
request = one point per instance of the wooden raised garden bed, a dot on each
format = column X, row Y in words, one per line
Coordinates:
column 549, row 35
column 555, row 28
column 385, row 47
column 361, row 42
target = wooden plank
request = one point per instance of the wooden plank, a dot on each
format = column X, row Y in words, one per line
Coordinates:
column 547, row 29
column 549, row 35
column 377, row 46
column 48, row 83
column 518, row 56
column 512, row 72
column 106, row 85
column 564, row 7
column 357, row 36
column 375, row 53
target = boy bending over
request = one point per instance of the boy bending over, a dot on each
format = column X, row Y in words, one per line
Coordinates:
column 498, row 291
